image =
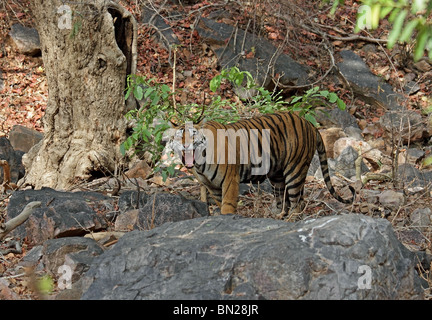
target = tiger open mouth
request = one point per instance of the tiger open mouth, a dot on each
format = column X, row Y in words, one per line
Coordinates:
column 188, row 159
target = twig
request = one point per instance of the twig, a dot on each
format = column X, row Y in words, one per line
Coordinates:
column 244, row 36
column 14, row 247
column 174, row 78
column 350, row 37
column 153, row 212
column 14, row 276
column 7, row 185
column 7, row 227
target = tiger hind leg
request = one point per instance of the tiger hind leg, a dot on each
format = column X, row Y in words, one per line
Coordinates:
column 289, row 199
column 282, row 199
column 295, row 192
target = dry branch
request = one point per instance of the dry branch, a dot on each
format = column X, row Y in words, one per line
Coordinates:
column 6, row 185
column 7, row 227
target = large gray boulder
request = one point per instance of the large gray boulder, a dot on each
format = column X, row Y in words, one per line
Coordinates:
column 230, row 45
column 227, row 257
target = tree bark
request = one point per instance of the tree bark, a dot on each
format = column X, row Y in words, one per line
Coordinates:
column 86, row 66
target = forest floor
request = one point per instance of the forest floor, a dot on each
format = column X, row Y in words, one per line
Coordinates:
column 24, row 96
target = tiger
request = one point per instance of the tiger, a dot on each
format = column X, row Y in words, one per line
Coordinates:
column 283, row 141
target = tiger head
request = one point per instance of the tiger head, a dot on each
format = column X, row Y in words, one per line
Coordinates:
column 189, row 142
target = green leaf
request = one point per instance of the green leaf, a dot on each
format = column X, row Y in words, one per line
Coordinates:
column 149, row 91
column 128, row 93
column 408, row 30
column 332, row 97
column 122, row 149
column 334, row 7
column 238, row 80
column 385, row 11
column 295, row 99
column 429, row 46
column 427, row 161
column 311, row 118
column 341, row 105
column 397, row 28
column 375, row 15
column 421, row 44
column 155, row 100
column 418, row 5
column 297, row 108
column 45, row 284
column 215, row 83
column 165, row 88
column 127, row 144
column 250, row 80
column 324, row 93
column 164, row 175
column 138, row 92
column 394, row 14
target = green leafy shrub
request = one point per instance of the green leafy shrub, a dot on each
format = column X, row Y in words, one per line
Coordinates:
column 157, row 109
column 150, row 119
column 410, row 21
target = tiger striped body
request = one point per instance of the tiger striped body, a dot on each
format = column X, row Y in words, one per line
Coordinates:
column 291, row 145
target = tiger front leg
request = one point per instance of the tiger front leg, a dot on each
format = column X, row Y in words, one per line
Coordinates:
column 230, row 194
column 203, row 194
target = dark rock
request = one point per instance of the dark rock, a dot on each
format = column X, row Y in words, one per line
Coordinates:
column 33, row 257
column 6, row 292
column 412, row 177
column 131, row 199
column 398, row 121
column 412, row 87
column 25, row 39
column 354, row 132
column 166, row 35
column 411, row 155
column 77, row 253
column 62, row 214
column 421, row 218
column 407, row 125
column 227, row 257
column 127, row 220
column 336, row 117
column 13, row 158
column 230, row 46
column 167, row 207
column 423, row 65
column 345, row 163
column 365, row 84
column 247, row 188
column 392, row 200
column 23, row 138
column 315, row 166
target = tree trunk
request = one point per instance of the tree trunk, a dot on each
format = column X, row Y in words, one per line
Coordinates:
column 87, row 53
